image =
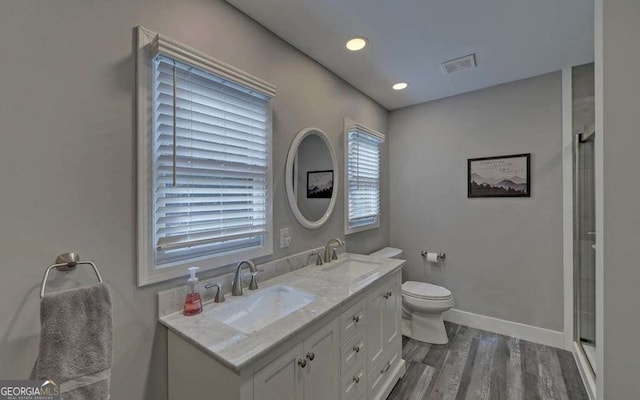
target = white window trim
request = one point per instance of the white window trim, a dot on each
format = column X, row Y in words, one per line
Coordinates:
column 149, row 43
column 349, row 125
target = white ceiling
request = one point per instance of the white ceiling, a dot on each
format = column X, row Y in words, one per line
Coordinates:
column 408, row 39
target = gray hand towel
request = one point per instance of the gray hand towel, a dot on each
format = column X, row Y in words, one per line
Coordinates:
column 76, row 341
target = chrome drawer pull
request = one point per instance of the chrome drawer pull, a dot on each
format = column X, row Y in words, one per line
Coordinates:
column 311, row 356
column 356, row 318
column 387, row 295
column 302, row 362
column 356, row 349
column 356, row 379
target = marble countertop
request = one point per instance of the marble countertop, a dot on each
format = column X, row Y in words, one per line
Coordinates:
column 237, row 350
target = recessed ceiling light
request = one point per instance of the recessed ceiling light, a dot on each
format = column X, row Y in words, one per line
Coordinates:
column 357, row 43
column 400, row 86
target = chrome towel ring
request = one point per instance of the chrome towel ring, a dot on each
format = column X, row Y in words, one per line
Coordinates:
column 67, row 262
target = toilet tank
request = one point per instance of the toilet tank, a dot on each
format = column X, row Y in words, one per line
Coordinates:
column 387, row 252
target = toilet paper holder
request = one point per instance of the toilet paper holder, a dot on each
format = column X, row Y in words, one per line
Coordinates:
column 441, row 256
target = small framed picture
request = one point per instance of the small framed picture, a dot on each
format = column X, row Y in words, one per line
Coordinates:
column 319, row 184
column 503, row 176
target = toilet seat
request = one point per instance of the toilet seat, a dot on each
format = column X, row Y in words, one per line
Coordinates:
column 426, row 291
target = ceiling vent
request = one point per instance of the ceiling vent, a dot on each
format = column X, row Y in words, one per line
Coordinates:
column 459, row 64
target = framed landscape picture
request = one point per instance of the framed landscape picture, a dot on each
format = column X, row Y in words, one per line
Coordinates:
column 504, row 176
column 319, row 184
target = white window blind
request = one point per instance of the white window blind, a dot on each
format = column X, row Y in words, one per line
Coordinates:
column 211, row 157
column 363, row 178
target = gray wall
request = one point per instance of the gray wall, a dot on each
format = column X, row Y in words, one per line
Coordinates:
column 504, row 256
column 618, row 208
column 67, row 156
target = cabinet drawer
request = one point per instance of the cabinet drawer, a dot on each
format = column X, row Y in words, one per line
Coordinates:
column 353, row 351
column 382, row 372
column 352, row 320
column 354, row 383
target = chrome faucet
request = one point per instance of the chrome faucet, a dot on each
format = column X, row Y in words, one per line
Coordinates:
column 330, row 252
column 236, row 289
column 219, row 294
column 318, row 257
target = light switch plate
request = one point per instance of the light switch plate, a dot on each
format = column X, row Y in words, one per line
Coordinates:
column 285, row 238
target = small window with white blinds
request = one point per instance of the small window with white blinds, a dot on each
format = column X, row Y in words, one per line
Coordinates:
column 363, row 178
column 209, row 156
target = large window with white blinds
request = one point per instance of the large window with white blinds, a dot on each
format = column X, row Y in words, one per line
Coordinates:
column 363, row 178
column 209, row 166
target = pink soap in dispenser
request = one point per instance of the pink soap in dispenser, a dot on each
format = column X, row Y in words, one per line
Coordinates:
column 193, row 303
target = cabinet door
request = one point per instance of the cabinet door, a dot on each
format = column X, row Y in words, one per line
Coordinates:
column 281, row 379
column 375, row 325
column 391, row 312
column 322, row 371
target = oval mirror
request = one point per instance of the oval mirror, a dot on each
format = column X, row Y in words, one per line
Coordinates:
column 311, row 178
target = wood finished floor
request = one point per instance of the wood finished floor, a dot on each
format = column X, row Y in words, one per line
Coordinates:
column 482, row 365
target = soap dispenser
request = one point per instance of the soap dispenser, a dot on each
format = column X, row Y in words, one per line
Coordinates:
column 193, row 303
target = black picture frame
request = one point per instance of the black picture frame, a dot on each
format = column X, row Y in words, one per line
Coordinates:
column 320, row 184
column 500, row 182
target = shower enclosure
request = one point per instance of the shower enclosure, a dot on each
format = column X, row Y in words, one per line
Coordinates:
column 584, row 212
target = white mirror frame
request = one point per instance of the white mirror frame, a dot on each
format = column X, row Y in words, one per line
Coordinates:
column 291, row 196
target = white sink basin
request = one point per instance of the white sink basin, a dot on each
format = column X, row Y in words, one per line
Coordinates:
column 353, row 269
column 350, row 268
column 262, row 309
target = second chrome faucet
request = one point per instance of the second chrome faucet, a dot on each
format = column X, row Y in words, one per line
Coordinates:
column 236, row 289
column 330, row 251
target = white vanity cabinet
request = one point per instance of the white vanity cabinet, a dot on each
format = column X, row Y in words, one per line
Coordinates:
column 351, row 353
column 384, row 320
column 305, row 372
column 282, row 378
column 322, row 352
column 384, row 339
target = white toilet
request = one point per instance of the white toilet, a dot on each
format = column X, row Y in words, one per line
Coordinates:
column 422, row 306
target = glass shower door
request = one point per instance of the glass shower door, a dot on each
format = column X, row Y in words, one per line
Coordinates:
column 584, row 244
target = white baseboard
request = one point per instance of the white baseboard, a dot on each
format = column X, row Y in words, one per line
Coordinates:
column 517, row 330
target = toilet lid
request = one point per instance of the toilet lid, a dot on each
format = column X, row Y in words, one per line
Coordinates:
column 425, row 290
column 387, row 252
